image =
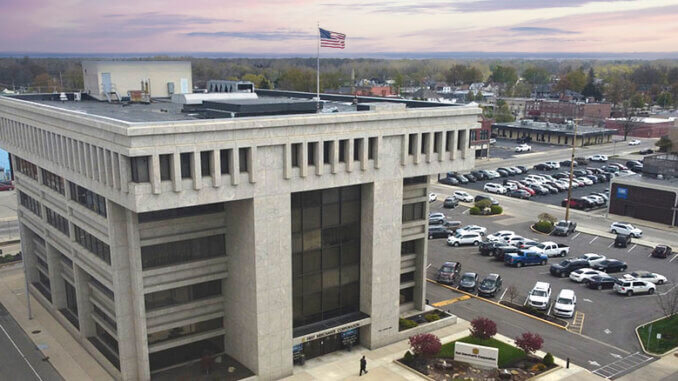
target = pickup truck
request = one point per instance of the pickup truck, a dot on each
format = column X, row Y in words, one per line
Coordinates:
column 524, row 258
column 550, row 249
column 564, row 228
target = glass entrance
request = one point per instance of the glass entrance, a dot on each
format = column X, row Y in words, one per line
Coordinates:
column 329, row 344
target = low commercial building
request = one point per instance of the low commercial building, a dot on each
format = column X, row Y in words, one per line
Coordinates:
column 558, row 111
column 553, row 133
column 645, row 198
column 252, row 230
column 641, row 127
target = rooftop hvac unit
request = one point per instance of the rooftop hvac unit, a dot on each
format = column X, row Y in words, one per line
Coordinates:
column 170, row 88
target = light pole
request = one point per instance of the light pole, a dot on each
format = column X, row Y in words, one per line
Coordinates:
column 569, row 188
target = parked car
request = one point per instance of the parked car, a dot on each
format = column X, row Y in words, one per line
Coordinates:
column 566, row 301
column 550, row 249
column 490, row 247
column 468, row 282
column 503, row 172
column 523, row 148
column 634, row 142
column 464, row 238
column 646, row 151
column 432, row 197
column 567, row 163
column 540, row 296
column 564, row 228
column 524, row 258
column 501, row 235
column 450, row 202
column 520, row 193
column 592, row 258
column 600, row 282
column 470, row 177
column 584, row 274
column 630, row 287
column 646, row 276
column 553, row 164
column 448, row 272
column 624, row 228
column 438, row 231
column 462, row 196
column 484, row 197
column 600, row 158
column 490, row 285
column 501, row 252
column 479, row 175
column 448, row 181
column 523, row 168
column 610, row 265
column 661, row 251
column 494, row 188
column 542, row 167
column 6, row 187
column 473, row 229
column 452, row 225
column 565, row 267
column 462, row 179
column 622, row 240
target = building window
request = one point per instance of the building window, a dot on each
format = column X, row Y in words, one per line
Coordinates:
column 436, row 141
column 106, row 344
column 243, row 154
column 371, row 148
column 177, row 252
column 65, row 260
column 325, row 254
column 406, row 295
column 407, row 247
column 413, row 212
column 30, row 203
column 182, row 295
column 225, row 158
column 140, row 169
column 104, row 316
column 342, row 150
column 185, row 159
column 88, row 199
column 357, row 144
column 165, row 167
column 54, row 182
column 310, row 153
column 71, row 300
column 187, row 211
column 56, row 220
column 295, row 154
column 411, row 144
column 449, row 135
column 327, row 152
column 407, row 277
column 187, row 330
column 100, row 286
column 185, row 353
column 424, row 142
column 92, row 244
column 26, row 167
column 206, row 163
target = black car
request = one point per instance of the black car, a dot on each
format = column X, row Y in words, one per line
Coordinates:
column 622, row 240
column 461, row 178
column 542, row 167
column 468, row 282
column 635, row 167
column 448, row 272
column 452, row 226
column 646, row 151
column 564, row 228
column 471, row 177
column 520, row 193
column 602, row 177
column 483, row 197
column 523, row 168
column 510, row 171
column 500, row 252
column 580, row 172
column 567, row 163
column 540, row 190
column 631, row 163
column 490, row 285
column 564, row 268
column 450, row 202
column 502, row 172
column 438, row 231
column 610, row 266
column 448, row 181
column 661, row 251
column 561, row 175
column 599, row 282
column 593, row 178
column 491, row 247
column 479, row 175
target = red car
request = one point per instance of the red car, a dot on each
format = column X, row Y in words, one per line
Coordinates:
column 5, row 187
column 661, row 251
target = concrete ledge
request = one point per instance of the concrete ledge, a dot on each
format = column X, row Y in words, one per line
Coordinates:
column 412, row 370
column 642, row 346
column 425, row 328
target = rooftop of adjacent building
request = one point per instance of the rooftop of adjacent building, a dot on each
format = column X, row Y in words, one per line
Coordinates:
column 567, row 128
column 646, row 120
column 647, row 181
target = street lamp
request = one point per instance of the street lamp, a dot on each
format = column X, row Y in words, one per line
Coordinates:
column 569, row 188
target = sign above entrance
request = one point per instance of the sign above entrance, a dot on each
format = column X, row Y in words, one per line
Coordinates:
column 622, row 193
column 476, row 354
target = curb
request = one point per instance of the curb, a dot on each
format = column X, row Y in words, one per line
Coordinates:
column 604, row 234
column 425, row 377
column 540, row 375
column 538, row 232
column 499, row 304
column 643, row 346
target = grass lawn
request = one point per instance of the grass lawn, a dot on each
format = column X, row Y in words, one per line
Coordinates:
column 668, row 327
column 507, row 353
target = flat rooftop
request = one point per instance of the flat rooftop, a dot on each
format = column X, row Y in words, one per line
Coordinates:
column 647, row 181
column 525, row 124
column 269, row 102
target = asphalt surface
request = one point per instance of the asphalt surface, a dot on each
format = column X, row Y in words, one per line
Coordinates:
column 606, row 334
column 19, row 358
column 505, row 148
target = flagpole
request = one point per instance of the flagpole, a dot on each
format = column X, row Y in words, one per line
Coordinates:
column 317, row 80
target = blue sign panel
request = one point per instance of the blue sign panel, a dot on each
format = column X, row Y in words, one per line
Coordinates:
column 622, row 193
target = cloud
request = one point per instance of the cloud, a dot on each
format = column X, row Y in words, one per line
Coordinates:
column 538, row 30
column 164, row 19
column 260, row 36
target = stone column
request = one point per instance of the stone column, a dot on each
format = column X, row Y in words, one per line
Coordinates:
column 82, row 294
column 259, row 330
column 154, row 172
column 27, row 251
column 381, row 225
column 57, row 287
column 176, row 171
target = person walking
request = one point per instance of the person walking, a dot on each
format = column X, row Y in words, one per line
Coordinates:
column 363, row 366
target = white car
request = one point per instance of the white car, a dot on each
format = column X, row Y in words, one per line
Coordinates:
column 511, row 186
column 585, row 274
column 624, row 228
column 634, row 142
column 437, row 215
column 593, row 258
column 630, row 287
column 540, row 296
column 432, row 197
column 464, row 238
column 473, row 229
column 493, row 174
column 523, row 148
column 501, row 235
column 625, row 172
column 493, row 141
column 553, row 164
column 597, row 158
column 535, row 178
column 515, row 240
column 462, row 196
column 646, row 276
column 585, row 180
column 494, row 188
column 565, row 303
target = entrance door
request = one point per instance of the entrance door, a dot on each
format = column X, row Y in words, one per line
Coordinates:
column 106, row 82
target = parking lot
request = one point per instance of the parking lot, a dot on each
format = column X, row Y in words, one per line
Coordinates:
column 601, row 315
column 504, row 148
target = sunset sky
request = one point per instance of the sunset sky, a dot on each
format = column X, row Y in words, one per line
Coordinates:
column 290, row 26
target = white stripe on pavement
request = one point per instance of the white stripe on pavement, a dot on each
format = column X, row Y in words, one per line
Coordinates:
column 610, row 245
column 575, row 236
column 21, row 353
column 503, row 293
column 633, row 247
column 594, row 238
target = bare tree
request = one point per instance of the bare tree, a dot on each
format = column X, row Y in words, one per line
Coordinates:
column 668, row 301
column 512, row 293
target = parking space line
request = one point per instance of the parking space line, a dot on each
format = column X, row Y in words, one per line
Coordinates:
column 674, row 257
column 575, row 236
column 622, row 365
column 610, row 245
column 632, row 247
column 450, row 301
column 594, row 238
column 577, row 324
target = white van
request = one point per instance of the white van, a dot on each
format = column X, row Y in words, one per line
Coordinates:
column 565, row 303
column 540, row 296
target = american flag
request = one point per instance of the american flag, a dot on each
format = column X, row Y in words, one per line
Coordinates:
column 331, row 39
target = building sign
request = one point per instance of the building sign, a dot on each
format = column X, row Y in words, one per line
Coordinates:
column 476, row 354
column 349, row 338
column 622, row 193
column 332, row 331
column 297, row 352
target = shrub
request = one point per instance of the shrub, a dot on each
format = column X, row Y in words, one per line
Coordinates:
column 496, row 209
column 547, row 217
column 529, row 342
column 432, row 317
column 483, row 328
column 474, row 210
column 536, row 368
column 543, row 226
column 407, row 323
column 482, row 204
column 425, row 344
column 548, row 359
column 408, row 356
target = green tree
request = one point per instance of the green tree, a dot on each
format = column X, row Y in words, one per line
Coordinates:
column 618, row 89
column 522, row 89
column 472, row 75
column 536, row 75
column 638, row 100
column 399, row 80
column 506, row 75
column 665, row 99
column 664, row 144
column 455, row 75
column 591, row 89
column 574, row 80
column 297, row 79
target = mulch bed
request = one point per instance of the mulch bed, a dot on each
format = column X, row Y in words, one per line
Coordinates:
column 446, row 369
column 534, row 312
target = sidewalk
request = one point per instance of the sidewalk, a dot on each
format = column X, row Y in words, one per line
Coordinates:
column 666, row 368
column 66, row 354
column 345, row 365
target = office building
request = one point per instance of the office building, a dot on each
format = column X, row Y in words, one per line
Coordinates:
column 156, row 233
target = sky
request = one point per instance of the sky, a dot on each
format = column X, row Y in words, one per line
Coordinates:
column 290, row 26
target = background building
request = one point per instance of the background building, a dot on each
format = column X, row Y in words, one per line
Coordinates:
column 558, row 111
column 645, row 198
column 155, row 235
column 552, row 133
column 641, row 127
